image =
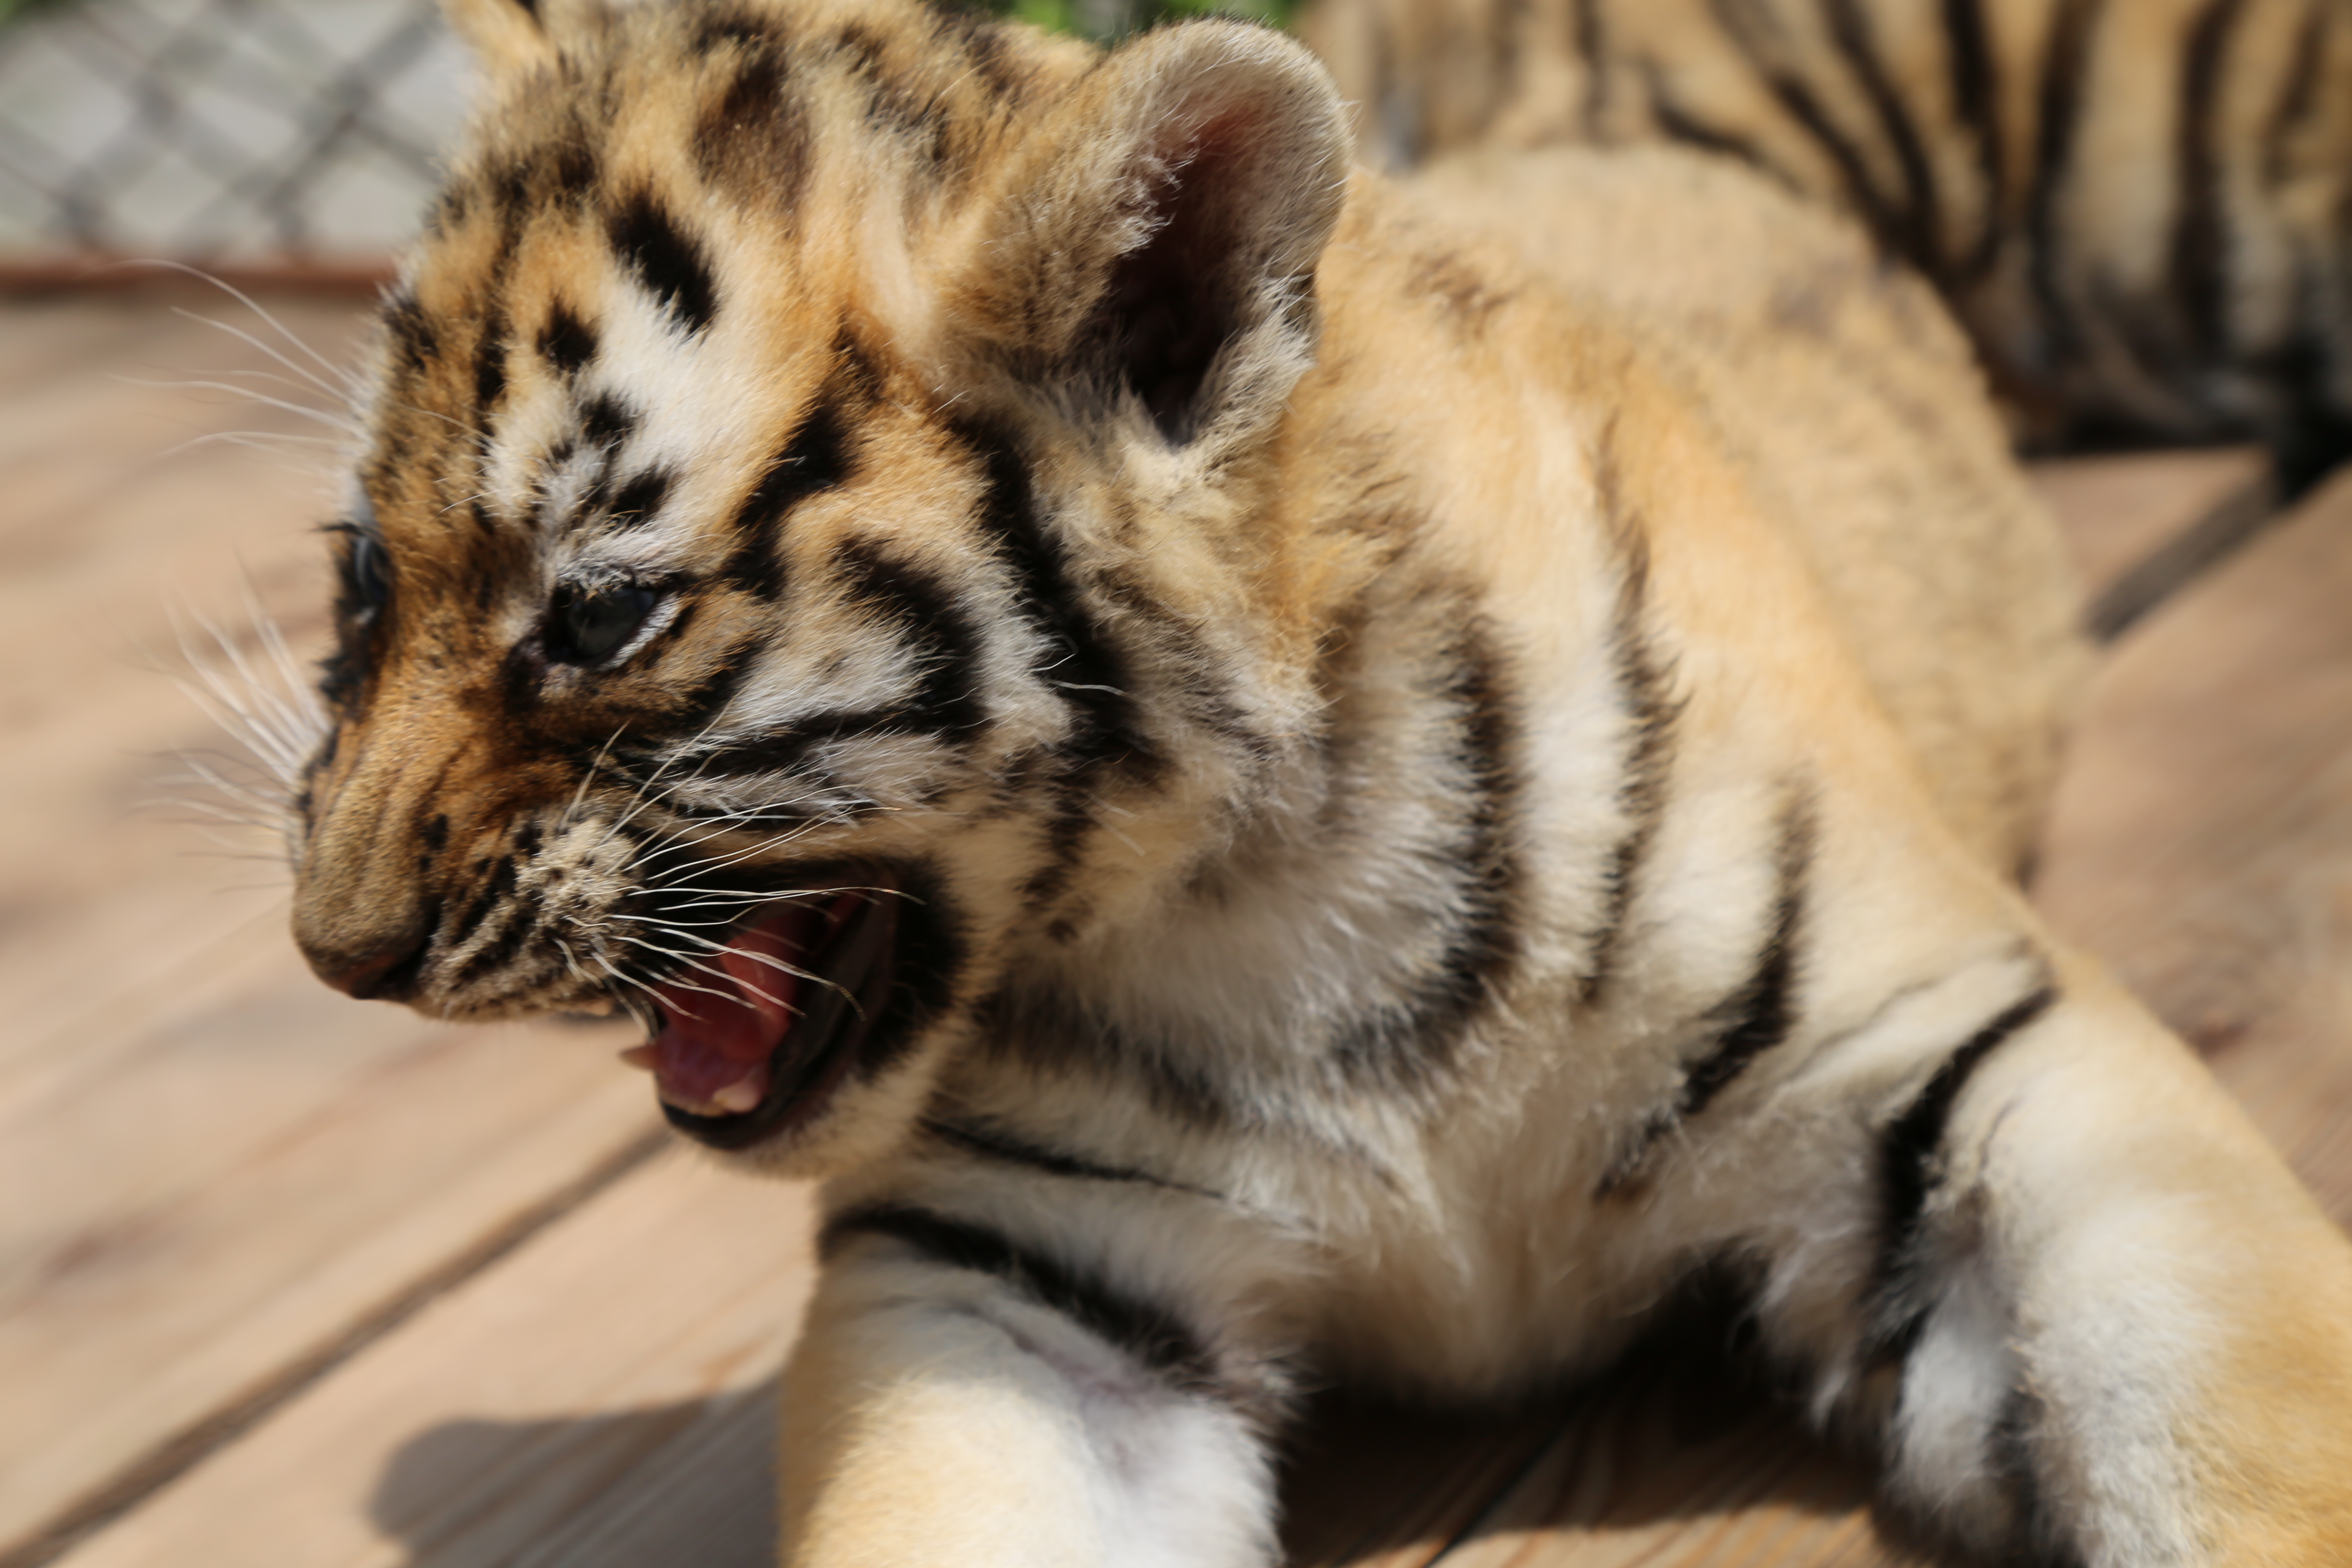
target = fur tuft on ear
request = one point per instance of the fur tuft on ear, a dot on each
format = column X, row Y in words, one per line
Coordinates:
column 508, row 37
column 1159, row 235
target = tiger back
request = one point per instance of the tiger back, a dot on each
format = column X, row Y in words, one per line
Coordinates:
column 2138, row 210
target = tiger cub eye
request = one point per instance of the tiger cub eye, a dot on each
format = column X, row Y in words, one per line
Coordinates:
column 587, row 623
column 365, row 574
column 365, row 580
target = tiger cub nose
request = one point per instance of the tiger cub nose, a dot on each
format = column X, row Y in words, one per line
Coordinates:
column 387, row 973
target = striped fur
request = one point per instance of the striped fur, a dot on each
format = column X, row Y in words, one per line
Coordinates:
column 1274, row 774
column 2141, row 209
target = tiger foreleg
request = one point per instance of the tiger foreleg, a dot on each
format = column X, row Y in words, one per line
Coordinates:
column 2112, row 1329
column 953, row 1400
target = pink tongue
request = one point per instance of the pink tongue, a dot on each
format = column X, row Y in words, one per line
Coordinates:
column 712, row 1057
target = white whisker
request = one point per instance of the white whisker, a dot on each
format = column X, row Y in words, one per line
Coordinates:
column 344, row 389
column 302, row 410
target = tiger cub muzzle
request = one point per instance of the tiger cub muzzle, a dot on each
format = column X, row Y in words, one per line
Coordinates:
column 761, row 1000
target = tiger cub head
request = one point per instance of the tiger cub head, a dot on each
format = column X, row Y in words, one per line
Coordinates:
column 802, row 567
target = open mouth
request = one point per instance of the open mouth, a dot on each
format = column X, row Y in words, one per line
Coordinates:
column 755, row 1038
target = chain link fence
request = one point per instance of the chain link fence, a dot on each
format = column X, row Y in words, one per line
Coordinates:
column 294, row 132
column 272, row 135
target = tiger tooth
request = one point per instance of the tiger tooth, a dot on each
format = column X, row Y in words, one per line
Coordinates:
column 738, row 1097
column 641, row 1057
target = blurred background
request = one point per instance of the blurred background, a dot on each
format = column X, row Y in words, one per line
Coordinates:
column 290, row 1279
column 279, row 139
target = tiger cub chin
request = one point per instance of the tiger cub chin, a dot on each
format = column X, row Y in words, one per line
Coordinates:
column 1274, row 773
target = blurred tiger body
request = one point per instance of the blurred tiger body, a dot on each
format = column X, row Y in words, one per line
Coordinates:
column 1270, row 773
column 2140, row 209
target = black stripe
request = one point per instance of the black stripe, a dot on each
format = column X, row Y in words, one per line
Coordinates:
column 700, row 707
column 2300, row 91
column 509, row 179
column 1591, row 44
column 414, row 340
column 1199, row 683
column 489, row 362
column 499, row 886
column 567, row 342
column 1080, row 664
column 2008, row 1447
column 1759, row 1014
column 1150, row 1333
column 573, row 167
column 1919, row 232
column 998, row 1145
column 1909, row 1156
column 640, row 498
column 1976, row 98
column 1048, row 1033
column 1083, row 667
column 1405, row 1046
column 1747, row 33
column 925, row 617
column 791, row 749
column 1752, row 1020
column 1679, row 124
column 665, row 258
column 606, row 421
column 757, row 132
column 1064, row 845
column 2315, row 435
column 2199, row 243
column 519, row 927
column 720, row 25
column 927, row 963
column 892, row 104
column 2066, row 55
column 448, row 210
column 1645, row 697
column 972, row 29
column 815, row 458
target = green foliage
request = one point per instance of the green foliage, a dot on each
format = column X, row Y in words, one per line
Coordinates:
column 1104, row 20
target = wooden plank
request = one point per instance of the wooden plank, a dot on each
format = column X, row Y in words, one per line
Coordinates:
column 1380, row 1485
column 601, row 1400
column 211, row 1168
column 1676, row 1460
column 104, row 543
column 2203, row 835
column 2117, row 510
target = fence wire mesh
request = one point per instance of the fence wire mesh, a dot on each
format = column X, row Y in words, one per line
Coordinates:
column 223, row 131
column 272, row 131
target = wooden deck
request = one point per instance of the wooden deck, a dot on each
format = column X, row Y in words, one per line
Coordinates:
column 292, row 1281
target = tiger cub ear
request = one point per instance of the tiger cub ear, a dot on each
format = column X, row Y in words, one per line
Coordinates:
column 1158, row 236
column 507, row 38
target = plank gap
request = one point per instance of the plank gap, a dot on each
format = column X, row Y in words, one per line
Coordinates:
column 181, row 1451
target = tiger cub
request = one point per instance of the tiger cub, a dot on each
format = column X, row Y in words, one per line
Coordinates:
column 1272, row 773
column 2140, row 209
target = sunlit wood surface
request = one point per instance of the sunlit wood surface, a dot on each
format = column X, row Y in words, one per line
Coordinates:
column 287, row 1280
